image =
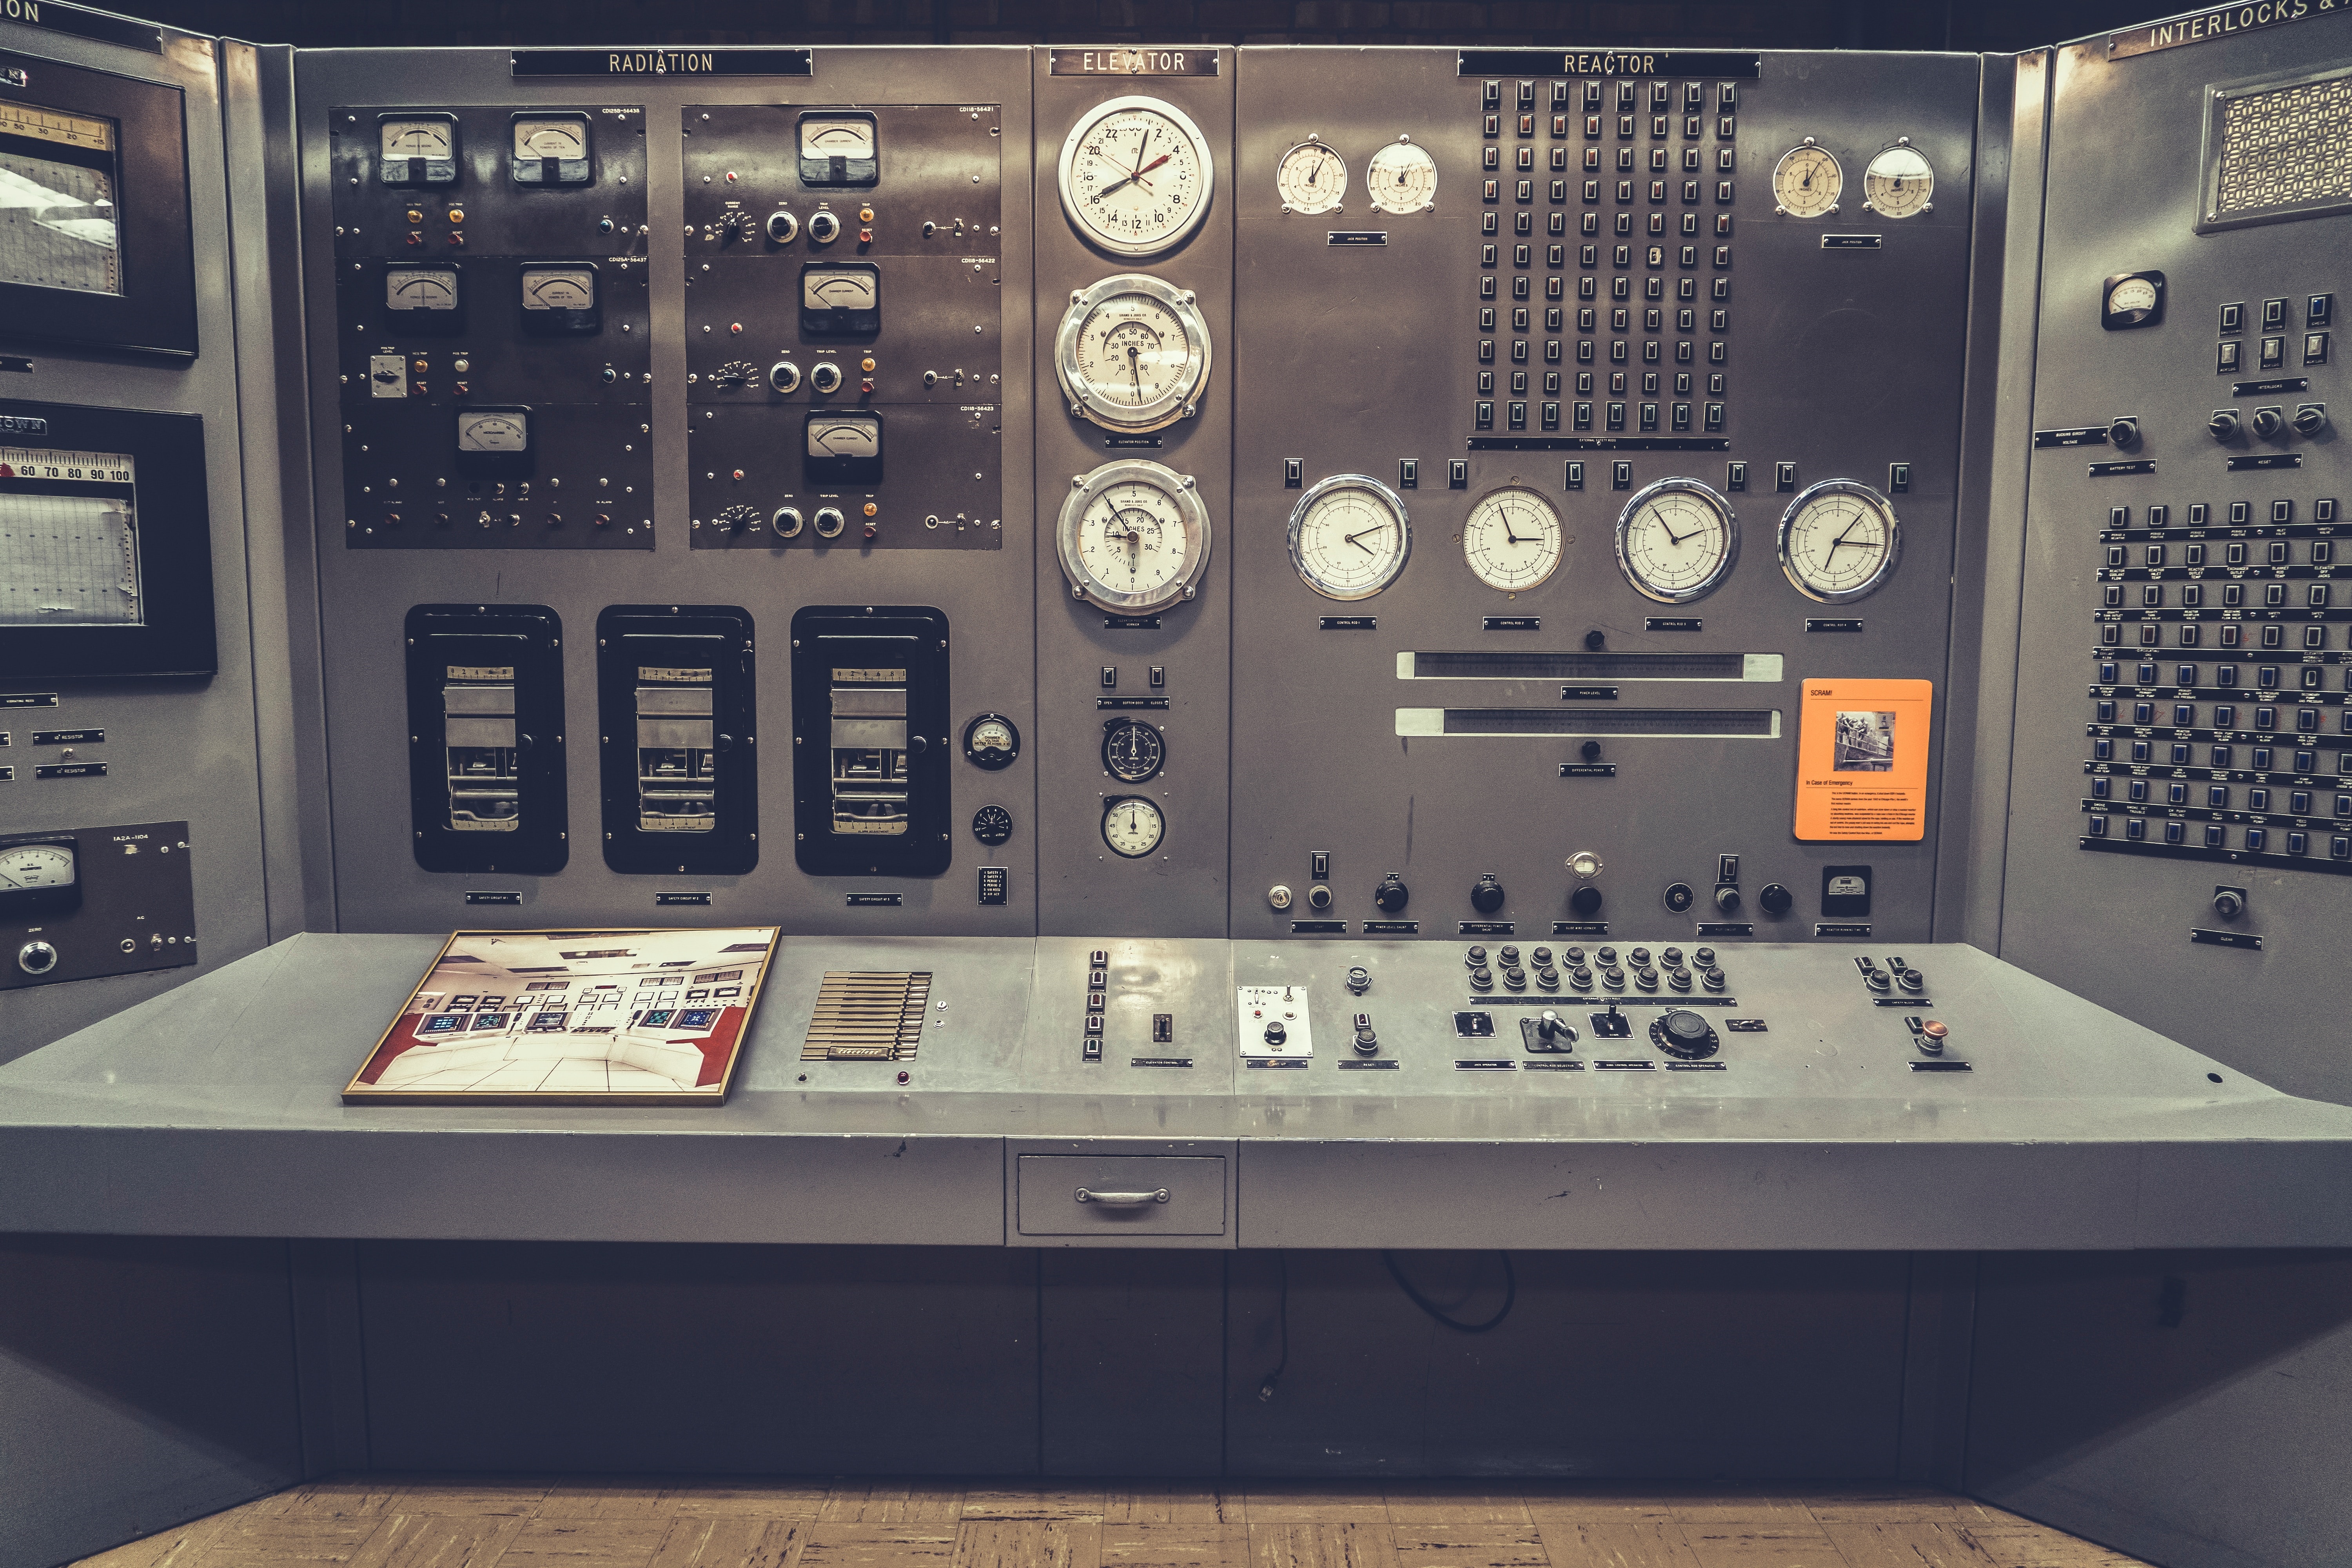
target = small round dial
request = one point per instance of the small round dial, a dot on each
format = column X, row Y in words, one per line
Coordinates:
column 1898, row 182
column 2132, row 297
column 1401, row 178
column 1133, row 538
column 1350, row 536
column 1136, row 176
column 1807, row 182
column 1512, row 539
column 1132, row 825
column 990, row 741
column 991, row 825
column 1310, row 179
column 1676, row 541
column 1133, row 750
column 1839, row 541
column 1132, row 353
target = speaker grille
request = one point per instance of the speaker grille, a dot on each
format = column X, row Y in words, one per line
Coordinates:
column 2278, row 151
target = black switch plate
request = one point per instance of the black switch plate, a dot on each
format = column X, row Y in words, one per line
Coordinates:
column 991, row 884
column 1845, row 892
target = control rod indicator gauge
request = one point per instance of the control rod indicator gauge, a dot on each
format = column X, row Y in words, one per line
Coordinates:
column 1133, row 538
column 1350, row 536
column 1676, row 541
column 1807, row 182
column 1132, row 353
column 1898, row 182
column 1401, row 178
column 1839, row 542
column 1310, row 179
column 1136, row 176
column 1132, row 825
column 1512, row 539
column 1133, row 750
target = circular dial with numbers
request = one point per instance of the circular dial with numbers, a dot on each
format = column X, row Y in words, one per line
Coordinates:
column 36, row 865
column 1133, row 750
column 1310, row 179
column 1839, row 541
column 1898, row 182
column 1136, row 176
column 1512, row 539
column 991, row 825
column 1401, row 178
column 1807, row 182
column 1132, row 353
column 1350, row 536
column 1133, row 538
column 1676, row 541
column 1132, row 825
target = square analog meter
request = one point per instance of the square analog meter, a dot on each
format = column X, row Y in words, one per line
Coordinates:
column 838, row 149
column 550, row 149
column 417, row 149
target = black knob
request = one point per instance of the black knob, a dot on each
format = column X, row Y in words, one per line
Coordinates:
column 1275, row 1034
column 1613, row 978
column 1580, row 977
column 2310, row 418
column 1548, row 977
column 1476, row 957
column 1359, row 980
column 2223, row 425
column 1680, row 979
column 1319, row 897
column 1878, row 980
column 1606, row 954
column 1590, row 751
column 1585, row 900
column 1509, row 955
column 1684, row 1034
column 2123, row 431
column 1486, row 894
column 1713, row 978
column 1482, row 979
column 2229, row 903
column 1391, row 894
column 1775, row 899
column 1594, row 640
column 1542, row 955
column 1727, row 900
column 1647, row 978
column 1702, row 954
column 1913, row 980
column 782, row 227
column 1679, row 896
column 2268, row 422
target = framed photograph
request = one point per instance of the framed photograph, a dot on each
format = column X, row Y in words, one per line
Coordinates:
column 573, row 1017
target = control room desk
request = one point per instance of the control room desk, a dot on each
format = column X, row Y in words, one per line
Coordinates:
column 214, row 1111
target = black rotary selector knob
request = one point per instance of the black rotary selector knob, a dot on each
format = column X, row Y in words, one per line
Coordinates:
column 1275, row 1034
column 1679, row 896
column 2223, row 425
column 2268, row 422
column 1684, row 1035
column 1727, row 900
column 1776, row 899
column 1585, row 900
column 1391, row 895
column 2123, row 431
column 1486, row 895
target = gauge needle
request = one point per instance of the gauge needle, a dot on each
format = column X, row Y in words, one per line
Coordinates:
column 1358, row 539
column 1842, row 539
column 1135, row 372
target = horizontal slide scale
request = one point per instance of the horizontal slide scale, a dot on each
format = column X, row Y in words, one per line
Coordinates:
column 1482, row 663
column 1664, row 724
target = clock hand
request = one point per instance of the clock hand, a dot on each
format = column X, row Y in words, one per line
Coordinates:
column 1135, row 372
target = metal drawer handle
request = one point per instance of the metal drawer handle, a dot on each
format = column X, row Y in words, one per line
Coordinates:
column 1123, row 1200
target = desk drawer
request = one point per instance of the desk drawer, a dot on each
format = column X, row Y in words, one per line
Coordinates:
column 1120, row 1195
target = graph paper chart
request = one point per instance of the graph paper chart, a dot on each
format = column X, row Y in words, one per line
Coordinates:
column 68, row 538
column 56, row 200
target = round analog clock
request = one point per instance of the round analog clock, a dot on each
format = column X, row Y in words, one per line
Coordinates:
column 1136, row 176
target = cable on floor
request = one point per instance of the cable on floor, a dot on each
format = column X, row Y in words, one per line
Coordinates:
column 1437, row 1313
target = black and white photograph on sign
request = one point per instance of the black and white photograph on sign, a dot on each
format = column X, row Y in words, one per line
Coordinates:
column 1864, row 743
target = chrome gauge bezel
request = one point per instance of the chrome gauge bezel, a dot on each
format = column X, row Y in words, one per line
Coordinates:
column 1870, row 171
column 1558, row 525
column 1178, row 488
column 1084, row 401
column 1371, row 186
column 1837, row 196
column 1713, row 498
column 1869, row 498
column 1385, row 497
column 1112, row 802
column 1338, row 192
column 1184, row 125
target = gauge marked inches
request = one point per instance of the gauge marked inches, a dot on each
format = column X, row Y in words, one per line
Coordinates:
column 1133, row 538
column 1136, row 176
column 1898, row 183
column 1808, row 181
column 1132, row 353
column 1839, row 541
column 1676, row 541
column 1132, row 826
column 1401, row 178
column 1350, row 536
column 1512, row 539
column 1311, row 179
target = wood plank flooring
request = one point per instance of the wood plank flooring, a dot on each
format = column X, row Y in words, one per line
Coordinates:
column 472, row 1521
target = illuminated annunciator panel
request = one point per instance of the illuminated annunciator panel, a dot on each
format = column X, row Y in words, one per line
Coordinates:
column 870, row 740
column 486, row 748
column 679, row 769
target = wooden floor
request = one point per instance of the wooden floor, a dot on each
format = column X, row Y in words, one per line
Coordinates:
column 391, row 1521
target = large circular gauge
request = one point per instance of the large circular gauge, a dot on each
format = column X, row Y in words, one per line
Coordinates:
column 1310, row 179
column 1136, row 176
column 1676, row 541
column 1132, row 825
column 1839, row 541
column 1350, row 536
column 1898, row 182
column 1401, row 178
column 1807, row 182
column 1133, row 750
column 1133, row 538
column 1512, row 539
column 1132, row 353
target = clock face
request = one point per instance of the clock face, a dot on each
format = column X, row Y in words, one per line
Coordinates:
column 1136, row 176
column 1512, row 539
